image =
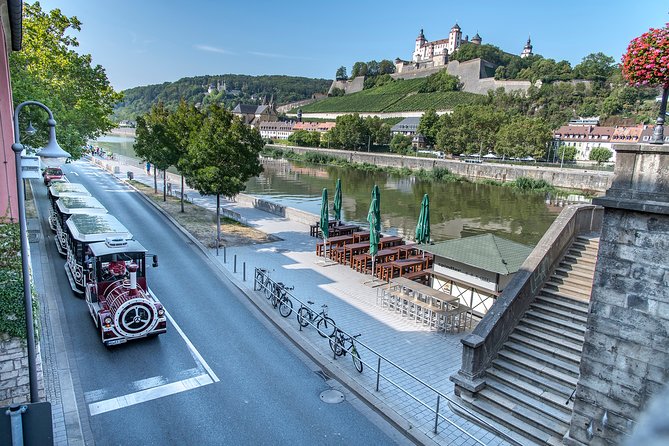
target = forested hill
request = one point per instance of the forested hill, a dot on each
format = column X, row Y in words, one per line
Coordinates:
column 239, row 88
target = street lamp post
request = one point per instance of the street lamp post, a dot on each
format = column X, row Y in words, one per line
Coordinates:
column 52, row 150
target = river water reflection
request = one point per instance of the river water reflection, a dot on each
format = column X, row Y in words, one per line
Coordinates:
column 456, row 209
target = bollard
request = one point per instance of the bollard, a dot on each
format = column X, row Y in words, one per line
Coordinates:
column 234, row 269
column 244, row 272
column 378, row 373
column 225, row 257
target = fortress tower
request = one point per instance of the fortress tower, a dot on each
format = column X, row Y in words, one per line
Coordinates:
column 454, row 39
column 527, row 51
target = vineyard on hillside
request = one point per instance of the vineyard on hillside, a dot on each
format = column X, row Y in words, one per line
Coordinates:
column 398, row 96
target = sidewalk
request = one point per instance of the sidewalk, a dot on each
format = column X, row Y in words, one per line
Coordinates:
column 428, row 355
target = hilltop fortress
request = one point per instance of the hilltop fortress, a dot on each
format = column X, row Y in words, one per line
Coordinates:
column 477, row 75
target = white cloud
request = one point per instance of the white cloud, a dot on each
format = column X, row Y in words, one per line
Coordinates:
column 212, row 49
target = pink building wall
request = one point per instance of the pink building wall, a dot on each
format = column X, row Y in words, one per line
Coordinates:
column 8, row 202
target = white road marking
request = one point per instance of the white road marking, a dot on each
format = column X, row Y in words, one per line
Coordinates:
column 148, row 394
column 160, row 391
column 198, row 357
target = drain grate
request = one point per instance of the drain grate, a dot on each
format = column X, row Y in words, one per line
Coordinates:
column 33, row 236
column 332, row 396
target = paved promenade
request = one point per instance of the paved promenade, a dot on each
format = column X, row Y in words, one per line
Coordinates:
column 423, row 354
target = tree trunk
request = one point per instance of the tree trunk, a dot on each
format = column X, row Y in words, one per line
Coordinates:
column 218, row 221
column 155, row 180
column 182, row 193
column 164, row 185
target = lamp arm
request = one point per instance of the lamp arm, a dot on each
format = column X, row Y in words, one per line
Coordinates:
column 17, row 110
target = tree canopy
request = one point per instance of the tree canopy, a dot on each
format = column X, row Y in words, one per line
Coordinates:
column 49, row 70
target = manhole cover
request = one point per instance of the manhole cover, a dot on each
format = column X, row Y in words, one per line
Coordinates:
column 332, row 396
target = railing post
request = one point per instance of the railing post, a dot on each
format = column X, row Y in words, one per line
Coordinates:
column 225, row 257
column 436, row 414
column 244, row 272
column 378, row 373
column 234, row 269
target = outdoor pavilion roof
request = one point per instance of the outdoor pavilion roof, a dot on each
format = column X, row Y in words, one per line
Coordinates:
column 487, row 252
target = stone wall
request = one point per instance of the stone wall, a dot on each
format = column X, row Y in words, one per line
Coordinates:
column 566, row 178
column 14, row 380
column 349, row 86
column 626, row 351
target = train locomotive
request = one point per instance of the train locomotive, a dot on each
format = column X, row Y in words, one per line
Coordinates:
column 118, row 298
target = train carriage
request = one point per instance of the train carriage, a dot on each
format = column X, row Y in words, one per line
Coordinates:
column 67, row 206
column 63, row 189
column 82, row 230
column 117, row 294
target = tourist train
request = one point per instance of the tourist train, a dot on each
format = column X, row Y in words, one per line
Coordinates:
column 106, row 265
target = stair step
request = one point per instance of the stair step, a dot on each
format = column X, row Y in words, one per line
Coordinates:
column 507, row 419
column 555, row 340
column 508, row 368
column 563, row 366
column 538, row 368
column 578, row 257
column 555, row 351
column 574, row 265
column 581, row 246
column 578, row 318
column 575, row 306
column 576, row 281
column 562, row 295
column 523, row 398
column 564, row 270
column 568, row 288
column 529, row 395
column 558, row 322
column 539, row 325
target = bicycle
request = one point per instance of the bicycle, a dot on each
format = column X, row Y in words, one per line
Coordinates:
column 325, row 325
column 338, row 343
column 263, row 282
column 279, row 298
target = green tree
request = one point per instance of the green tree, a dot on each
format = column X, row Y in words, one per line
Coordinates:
column 222, row 156
column 523, row 137
column 595, row 66
column 386, row 67
column 153, row 141
column 304, row 138
column 341, row 73
column 378, row 130
column 470, row 129
column 428, row 126
column 182, row 124
column 49, row 70
column 441, row 81
column 359, row 69
column 350, row 132
column 401, row 144
column 491, row 53
column 566, row 153
column 600, row 154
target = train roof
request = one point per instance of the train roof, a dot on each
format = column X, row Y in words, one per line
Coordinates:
column 80, row 205
column 68, row 189
column 96, row 228
column 116, row 246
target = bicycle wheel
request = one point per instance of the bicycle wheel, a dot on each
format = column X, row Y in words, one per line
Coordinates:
column 285, row 307
column 357, row 362
column 336, row 345
column 303, row 316
column 267, row 288
column 326, row 327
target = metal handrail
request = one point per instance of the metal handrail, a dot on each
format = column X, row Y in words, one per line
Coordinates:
column 264, row 273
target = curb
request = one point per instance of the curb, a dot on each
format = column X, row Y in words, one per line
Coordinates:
column 323, row 361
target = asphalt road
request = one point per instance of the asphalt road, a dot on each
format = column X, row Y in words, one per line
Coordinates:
column 226, row 377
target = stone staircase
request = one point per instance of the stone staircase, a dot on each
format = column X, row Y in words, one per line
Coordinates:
column 529, row 385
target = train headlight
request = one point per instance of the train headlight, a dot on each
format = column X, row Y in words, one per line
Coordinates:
column 161, row 312
column 108, row 321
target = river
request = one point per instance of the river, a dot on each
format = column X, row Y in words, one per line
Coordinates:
column 457, row 209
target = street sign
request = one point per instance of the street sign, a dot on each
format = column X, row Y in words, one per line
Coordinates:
column 26, row 425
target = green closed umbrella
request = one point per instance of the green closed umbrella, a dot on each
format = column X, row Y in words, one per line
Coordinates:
column 423, row 226
column 374, row 219
column 325, row 219
column 337, row 201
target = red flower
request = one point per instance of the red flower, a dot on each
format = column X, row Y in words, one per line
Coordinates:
column 646, row 61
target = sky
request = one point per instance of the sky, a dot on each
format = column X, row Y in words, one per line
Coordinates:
column 142, row 42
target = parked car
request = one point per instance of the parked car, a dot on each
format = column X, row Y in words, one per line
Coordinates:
column 52, row 173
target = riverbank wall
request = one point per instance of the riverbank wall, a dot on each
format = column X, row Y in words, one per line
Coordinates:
column 589, row 180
